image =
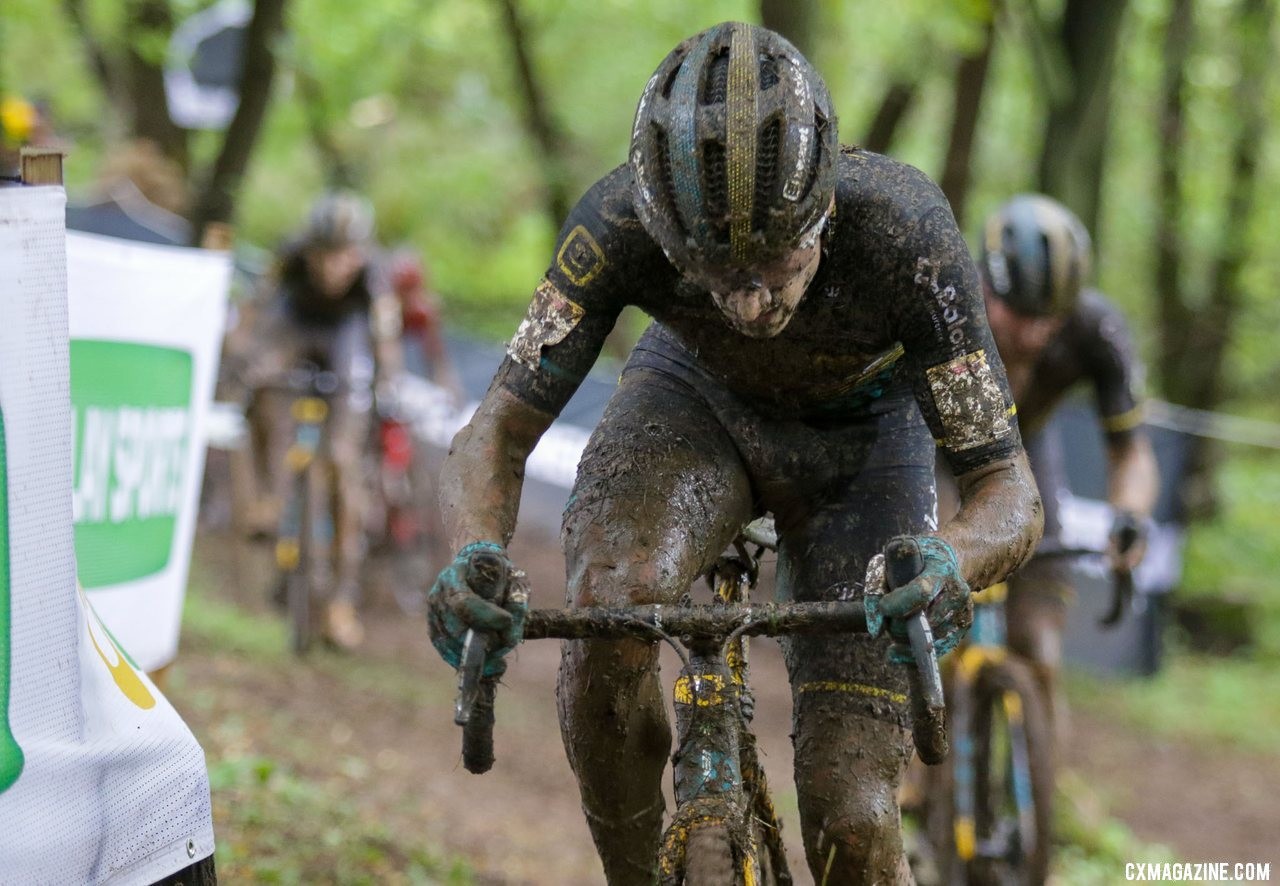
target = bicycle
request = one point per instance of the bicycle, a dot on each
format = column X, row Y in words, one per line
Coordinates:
column 305, row 537
column 989, row 812
column 725, row 829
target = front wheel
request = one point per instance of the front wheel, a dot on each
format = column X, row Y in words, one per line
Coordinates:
column 709, row 857
column 989, row 808
column 298, row 581
column 1013, row 777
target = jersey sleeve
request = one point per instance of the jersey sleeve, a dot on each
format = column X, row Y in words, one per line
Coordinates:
column 1116, row 373
column 956, row 372
column 574, row 306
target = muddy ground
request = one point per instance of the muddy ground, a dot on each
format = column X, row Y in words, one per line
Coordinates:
column 379, row 730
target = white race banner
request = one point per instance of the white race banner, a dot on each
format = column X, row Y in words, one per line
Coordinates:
column 146, row 327
column 100, row 780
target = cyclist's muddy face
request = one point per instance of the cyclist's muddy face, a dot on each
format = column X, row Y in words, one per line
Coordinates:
column 333, row 271
column 760, row 302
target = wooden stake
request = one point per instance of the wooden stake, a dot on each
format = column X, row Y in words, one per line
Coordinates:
column 42, row 166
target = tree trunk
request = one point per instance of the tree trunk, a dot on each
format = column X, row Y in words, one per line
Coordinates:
column 148, row 26
column 99, row 62
column 338, row 170
column 792, row 19
column 217, row 201
column 1174, row 314
column 1226, row 294
column 1193, row 366
column 1071, row 162
column 971, row 78
column 538, row 117
column 893, row 108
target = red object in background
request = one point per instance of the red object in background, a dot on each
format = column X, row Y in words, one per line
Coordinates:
column 408, row 281
column 397, row 445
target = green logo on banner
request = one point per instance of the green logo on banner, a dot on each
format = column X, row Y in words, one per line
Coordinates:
column 10, row 753
column 133, row 431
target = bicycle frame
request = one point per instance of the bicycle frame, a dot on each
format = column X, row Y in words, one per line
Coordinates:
column 310, row 415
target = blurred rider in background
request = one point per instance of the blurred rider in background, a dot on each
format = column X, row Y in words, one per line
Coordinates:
column 330, row 302
column 1055, row 332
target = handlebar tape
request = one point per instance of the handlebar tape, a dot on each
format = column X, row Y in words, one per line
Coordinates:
column 903, row 562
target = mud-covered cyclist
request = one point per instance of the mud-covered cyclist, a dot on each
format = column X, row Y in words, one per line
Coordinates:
column 818, row 326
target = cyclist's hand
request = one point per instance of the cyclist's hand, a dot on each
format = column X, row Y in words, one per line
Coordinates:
column 939, row 590
column 453, row 608
column 1127, row 542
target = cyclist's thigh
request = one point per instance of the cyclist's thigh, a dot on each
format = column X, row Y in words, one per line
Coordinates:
column 660, row 492
column 851, row 708
column 347, row 349
column 884, row 488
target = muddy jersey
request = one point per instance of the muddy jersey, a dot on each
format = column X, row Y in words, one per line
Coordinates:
column 1093, row 346
column 896, row 298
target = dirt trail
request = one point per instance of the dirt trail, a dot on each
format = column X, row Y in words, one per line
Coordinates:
column 521, row 823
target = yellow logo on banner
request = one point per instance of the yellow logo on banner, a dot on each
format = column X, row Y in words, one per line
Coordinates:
column 122, row 672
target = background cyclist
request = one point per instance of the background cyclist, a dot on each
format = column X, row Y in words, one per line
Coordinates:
column 1054, row 333
column 329, row 301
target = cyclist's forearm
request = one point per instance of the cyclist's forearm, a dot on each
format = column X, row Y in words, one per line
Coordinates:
column 481, row 480
column 999, row 523
column 1133, row 478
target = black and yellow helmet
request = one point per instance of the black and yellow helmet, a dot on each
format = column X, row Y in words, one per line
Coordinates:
column 1036, row 255
column 733, row 149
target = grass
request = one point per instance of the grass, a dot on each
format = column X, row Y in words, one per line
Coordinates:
column 273, row 823
column 1208, row 701
column 276, row 827
column 1093, row 847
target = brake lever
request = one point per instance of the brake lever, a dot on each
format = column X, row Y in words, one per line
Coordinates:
column 486, row 575
column 902, row 563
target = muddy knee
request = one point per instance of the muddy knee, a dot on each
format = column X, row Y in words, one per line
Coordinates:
column 858, row 843
column 848, row 768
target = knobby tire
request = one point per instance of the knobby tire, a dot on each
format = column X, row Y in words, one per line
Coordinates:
column 709, row 858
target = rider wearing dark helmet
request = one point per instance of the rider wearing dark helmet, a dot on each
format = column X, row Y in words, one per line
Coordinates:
column 1054, row 332
column 818, row 325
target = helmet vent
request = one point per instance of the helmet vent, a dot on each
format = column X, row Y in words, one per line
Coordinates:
column 715, row 186
column 768, row 72
column 670, row 82
column 666, row 181
column 717, row 85
column 820, row 125
column 767, row 152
